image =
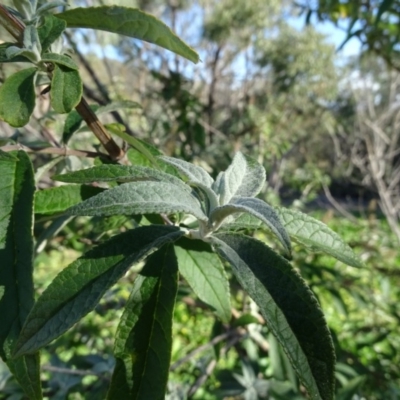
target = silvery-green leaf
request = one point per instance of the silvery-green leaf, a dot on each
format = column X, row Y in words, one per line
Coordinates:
column 141, row 198
column 316, row 235
column 289, row 307
column 257, row 208
column 193, row 172
column 31, row 40
column 243, row 178
column 119, row 173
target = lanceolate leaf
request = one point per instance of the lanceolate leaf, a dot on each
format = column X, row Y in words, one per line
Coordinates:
column 205, row 273
column 317, row 236
column 243, row 178
column 129, row 22
column 144, row 337
column 289, row 307
column 16, row 258
column 141, row 198
column 66, row 89
column 192, row 172
column 80, row 286
column 119, row 173
column 17, row 97
column 58, row 199
column 258, row 208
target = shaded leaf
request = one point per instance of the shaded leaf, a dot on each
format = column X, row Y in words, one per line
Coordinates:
column 258, row 208
column 243, row 178
column 4, row 55
column 58, row 199
column 16, row 255
column 289, row 307
column 144, row 336
column 317, row 236
column 129, row 22
column 66, row 89
column 79, row 287
column 141, row 198
column 50, row 30
column 206, row 275
column 17, row 97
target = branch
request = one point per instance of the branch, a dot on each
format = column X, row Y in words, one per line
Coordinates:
column 16, row 28
column 55, row 150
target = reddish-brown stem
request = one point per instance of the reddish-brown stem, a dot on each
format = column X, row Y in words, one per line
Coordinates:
column 16, row 28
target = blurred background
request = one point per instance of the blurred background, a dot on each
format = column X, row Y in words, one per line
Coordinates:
column 311, row 89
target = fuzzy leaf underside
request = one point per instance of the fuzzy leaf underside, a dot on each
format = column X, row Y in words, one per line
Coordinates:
column 317, row 236
column 193, row 173
column 144, row 337
column 58, row 199
column 119, row 173
column 305, row 230
column 79, row 287
column 129, row 22
column 206, row 275
column 141, row 198
column 289, row 307
column 243, row 178
column 258, row 209
column 16, row 259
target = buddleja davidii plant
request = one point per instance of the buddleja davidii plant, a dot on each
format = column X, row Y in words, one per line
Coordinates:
column 38, row 43
column 197, row 250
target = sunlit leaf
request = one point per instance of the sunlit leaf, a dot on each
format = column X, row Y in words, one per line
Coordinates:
column 243, row 178
column 119, row 173
column 317, row 236
column 58, row 199
column 141, row 198
column 190, row 171
column 206, row 275
column 129, row 22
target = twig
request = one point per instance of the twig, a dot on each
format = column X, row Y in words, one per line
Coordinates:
column 202, row 348
column 69, row 371
column 337, row 205
column 55, row 150
column 210, row 367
